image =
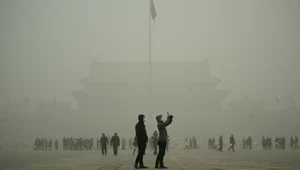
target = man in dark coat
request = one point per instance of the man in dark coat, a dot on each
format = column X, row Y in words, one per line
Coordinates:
column 115, row 143
column 142, row 139
column 56, row 145
column 232, row 143
column 220, row 144
column 162, row 139
column 296, row 143
column 249, row 142
column 283, row 143
column 104, row 142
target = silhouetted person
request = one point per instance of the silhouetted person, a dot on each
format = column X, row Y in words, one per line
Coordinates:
column 42, row 144
column 194, row 142
column 162, row 139
column 45, row 144
column 244, row 144
column 220, row 144
column 50, row 145
column 283, row 143
column 264, row 143
column 142, row 139
column 56, row 145
column 104, row 142
column 232, row 143
column 296, row 143
column 213, row 143
column 292, row 143
column 209, row 143
column 154, row 141
column 115, row 143
column 151, row 143
column 186, row 143
column 249, row 142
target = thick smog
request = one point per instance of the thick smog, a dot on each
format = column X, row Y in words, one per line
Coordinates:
column 152, row 84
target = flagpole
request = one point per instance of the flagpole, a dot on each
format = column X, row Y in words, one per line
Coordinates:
column 150, row 59
column 150, row 67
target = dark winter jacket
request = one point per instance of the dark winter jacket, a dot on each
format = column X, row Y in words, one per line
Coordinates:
column 115, row 141
column 140, row 131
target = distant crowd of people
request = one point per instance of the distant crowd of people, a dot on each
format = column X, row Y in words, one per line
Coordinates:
column 43, row 144
column 78, row 143
column 294, row 143
column 266, row 143
column 247, row 143
column 190, row 143
column 70, row 143
column 280, row 143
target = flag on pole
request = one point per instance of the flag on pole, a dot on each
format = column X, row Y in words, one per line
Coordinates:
column 152, row 10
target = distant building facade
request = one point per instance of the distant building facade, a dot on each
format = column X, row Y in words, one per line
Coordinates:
column 123, row 89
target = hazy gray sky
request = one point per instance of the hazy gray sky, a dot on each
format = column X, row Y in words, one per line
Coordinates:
column 46, row 46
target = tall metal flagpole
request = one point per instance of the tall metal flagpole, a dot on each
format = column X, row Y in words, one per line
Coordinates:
column 150, row 60
column 149, row 115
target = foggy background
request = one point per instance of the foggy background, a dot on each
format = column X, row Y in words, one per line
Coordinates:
column 46, row 47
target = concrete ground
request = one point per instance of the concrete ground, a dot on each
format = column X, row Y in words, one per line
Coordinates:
column 201, row 159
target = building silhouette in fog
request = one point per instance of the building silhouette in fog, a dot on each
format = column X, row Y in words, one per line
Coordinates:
column 122, row 89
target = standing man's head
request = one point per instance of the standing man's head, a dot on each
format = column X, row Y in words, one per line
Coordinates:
column 116, row 134
column 159, row 118
column 103, row 134
column 141, row 118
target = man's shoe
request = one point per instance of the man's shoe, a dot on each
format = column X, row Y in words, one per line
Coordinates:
column 136, row 166
column 156, row 166
column 163, row 167
column 143, row 167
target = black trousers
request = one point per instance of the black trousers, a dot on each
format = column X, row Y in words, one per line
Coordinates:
column 221, row 148
column 115, row 149
column 231, row 147
column 104, row 149
column 141, row 152
column 161, row 153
